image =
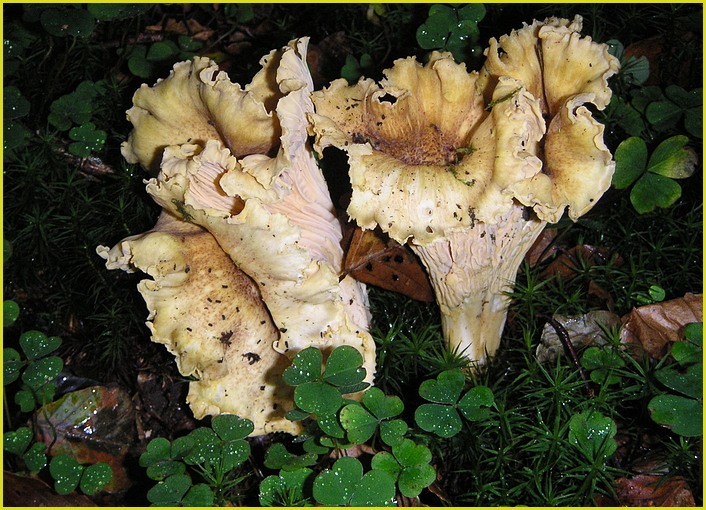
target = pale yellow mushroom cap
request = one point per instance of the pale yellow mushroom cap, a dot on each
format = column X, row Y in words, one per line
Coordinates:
column 433, row 160
column 196, row 103
column 564, row 71
column 210, row 315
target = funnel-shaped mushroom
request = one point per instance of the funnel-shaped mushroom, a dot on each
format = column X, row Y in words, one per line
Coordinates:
column 257, row 188
column 462, row 166
column 209, row 314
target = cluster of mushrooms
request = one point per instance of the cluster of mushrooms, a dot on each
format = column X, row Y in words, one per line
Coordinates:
column 467, row 168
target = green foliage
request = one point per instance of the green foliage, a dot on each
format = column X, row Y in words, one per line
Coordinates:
column 73, row 21
column 289, row 488
column 682, row 412
column 354, row 68
column 676, row 103
column 592, row 433
column 320, row 392
column 454, row 29
column 39, row 369
column 362, row 422
column 633, row 71
column 408, row 464
column 242, row 13
column 148, row 61
column 75, row 108
column 442, row 416
column 653, row 179
column 87, row 138
column 11, row 310
column 108, row 12
column 346, row 485
column 15, row 105
column 19, row 442
column 215, row 454
column 68, row 474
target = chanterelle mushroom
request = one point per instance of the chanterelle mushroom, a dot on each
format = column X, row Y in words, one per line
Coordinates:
column 209, row 314
column 463, row 167
column 237, row 162
column 275, row 218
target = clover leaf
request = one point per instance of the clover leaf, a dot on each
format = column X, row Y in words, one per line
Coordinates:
column 88, row 139
column 682, row 413
column 362, row 421
column 452, row 29
column 602, row 362
column 408, row 464
column 345, row 485
column 652, row 178
column 442, row 416
column 592, row 433
column 285, row 489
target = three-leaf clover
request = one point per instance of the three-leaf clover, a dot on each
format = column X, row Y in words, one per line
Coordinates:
column 682, row 413
column 214, row 451
column 362, row 421
column 286, row 489
column 602, row 361
column 442, row 416
column 452, row 29
column 18, row 442
column 75, row 108
column 408, row 464
column 39, row 369
column 69, row 474
column 653, row 177
column 320, row 392
column 346, row 485
column 592, row 433
column 677, row 102
column 87, row 139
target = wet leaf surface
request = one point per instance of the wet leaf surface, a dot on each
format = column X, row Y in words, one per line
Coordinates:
column 93, row 425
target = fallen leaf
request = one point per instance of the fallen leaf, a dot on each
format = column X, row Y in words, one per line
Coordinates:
column 597, row 297
column 32, row 492
column 566, row 264
column 376, row 259
column 583, row 330
column 95, row 424
column 650, row 490
column 178, row 27
column 655, row 327
column 654, row 49
column 543, row 247
column 326, row 58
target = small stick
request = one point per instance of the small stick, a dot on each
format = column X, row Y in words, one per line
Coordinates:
column 568, row 346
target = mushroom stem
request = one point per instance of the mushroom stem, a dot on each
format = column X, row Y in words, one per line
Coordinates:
column 471, row 271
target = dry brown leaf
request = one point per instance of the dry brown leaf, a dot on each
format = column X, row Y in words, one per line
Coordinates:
column 597, row 297
column 542, row 248
column 583, row 330
column 655, row 327
column 376, row 259
column 178, row 27
column 565, row 265
column 650, row 490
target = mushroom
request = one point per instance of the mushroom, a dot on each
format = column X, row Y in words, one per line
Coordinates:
column 209, row 314
column 462, row 166
column 237, row 162
column 275, row 218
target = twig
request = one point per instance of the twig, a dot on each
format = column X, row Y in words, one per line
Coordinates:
column 568, row 346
